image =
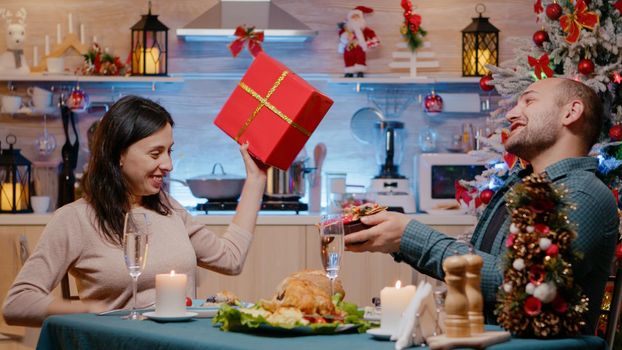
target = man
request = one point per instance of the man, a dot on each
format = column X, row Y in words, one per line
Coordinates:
column 553, row 126
column 355, row 38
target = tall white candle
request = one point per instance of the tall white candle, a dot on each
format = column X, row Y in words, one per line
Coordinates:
column 47, row 44
column 393, row 302
column 35, row 56
column 58, row 35
column 70, row 24
column 94, row 39
column 81, row 33
column 171, row 294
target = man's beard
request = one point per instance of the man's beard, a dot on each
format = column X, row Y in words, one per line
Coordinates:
column 355, row 24
column 535, row 138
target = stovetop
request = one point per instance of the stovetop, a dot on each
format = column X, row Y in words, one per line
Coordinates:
column 269, row 205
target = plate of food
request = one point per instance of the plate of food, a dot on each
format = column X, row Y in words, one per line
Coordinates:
column 300, row 306
column 352, row 216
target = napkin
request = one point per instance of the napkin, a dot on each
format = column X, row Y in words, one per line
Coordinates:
column 419, row 320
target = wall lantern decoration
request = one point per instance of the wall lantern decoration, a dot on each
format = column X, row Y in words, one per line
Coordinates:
column 480, row 45
column 15, row 175
column 149, row 46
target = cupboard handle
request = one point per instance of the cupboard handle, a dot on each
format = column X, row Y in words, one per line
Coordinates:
column 24, row 253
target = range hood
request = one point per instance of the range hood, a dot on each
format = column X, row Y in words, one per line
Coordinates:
column 220, row 21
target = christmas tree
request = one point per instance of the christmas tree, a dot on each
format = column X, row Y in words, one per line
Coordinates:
column 579, row 40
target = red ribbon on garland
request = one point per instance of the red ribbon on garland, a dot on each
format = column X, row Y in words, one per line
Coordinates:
column 572, row 23
column 249, row 36
column 541, row 65
column 537, row 7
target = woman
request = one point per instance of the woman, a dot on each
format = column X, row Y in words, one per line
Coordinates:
column 131, row 156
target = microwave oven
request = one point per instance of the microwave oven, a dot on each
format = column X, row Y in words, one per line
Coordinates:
column 435, row 176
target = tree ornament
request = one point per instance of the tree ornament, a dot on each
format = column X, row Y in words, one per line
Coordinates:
column 250, row 36
column 433, row 104
column 486, row 195
column 553, row 11
column 483, row 83
column 540, row 37
column 537, row 7
column 615, row 133
column 586, row 66
column 572, row 23
column 541, row 65
column 618, row 5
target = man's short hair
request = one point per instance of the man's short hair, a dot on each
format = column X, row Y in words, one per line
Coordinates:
column 593, row 108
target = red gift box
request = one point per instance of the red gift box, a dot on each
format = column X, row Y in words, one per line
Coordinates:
column 273, row 109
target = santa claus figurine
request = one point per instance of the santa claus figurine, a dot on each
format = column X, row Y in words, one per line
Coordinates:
column 355, row 38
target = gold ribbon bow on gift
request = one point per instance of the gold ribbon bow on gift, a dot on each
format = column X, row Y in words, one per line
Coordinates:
column 263, row 102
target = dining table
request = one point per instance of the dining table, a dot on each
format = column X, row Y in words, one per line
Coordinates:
column 90, row 331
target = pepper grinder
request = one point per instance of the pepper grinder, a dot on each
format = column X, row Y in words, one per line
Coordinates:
column 456, row 302
column 473, row 292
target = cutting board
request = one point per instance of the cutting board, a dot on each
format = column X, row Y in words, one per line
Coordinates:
column 480, row 341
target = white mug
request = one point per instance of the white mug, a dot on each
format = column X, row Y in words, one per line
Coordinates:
column 11, row 104
column 41, row 98
column 40, row 204
column 55, row 64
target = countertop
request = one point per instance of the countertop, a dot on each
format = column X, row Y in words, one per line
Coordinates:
column 267, row 218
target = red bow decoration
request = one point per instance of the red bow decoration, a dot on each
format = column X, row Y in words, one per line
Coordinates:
column 510, row 158
column 618, row 5
column 572, row 23
column 541, row 65
column 248, row 35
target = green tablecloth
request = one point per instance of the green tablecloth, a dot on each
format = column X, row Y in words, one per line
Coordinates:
column 87, row 331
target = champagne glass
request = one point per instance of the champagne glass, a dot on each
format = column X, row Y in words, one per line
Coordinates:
column 135, row 246
column 331, row 246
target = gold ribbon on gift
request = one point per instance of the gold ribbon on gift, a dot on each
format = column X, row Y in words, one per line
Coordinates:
column 263, row 102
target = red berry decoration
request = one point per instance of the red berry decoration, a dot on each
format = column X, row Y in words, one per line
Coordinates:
column 553, row 11
column 615, row 133
column 483, row 83
column 540, row 37
column 586, row 66
column 618, row 251
column 188, row 301
column 486, row 195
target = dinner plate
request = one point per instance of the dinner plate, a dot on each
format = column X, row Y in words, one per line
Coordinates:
column 185, row 317
column 307, row 329
column 379, row 333
column 204, row 311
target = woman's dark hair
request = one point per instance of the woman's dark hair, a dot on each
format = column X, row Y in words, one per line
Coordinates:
column 129, row 120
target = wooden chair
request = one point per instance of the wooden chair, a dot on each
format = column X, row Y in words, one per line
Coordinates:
column 612, row 313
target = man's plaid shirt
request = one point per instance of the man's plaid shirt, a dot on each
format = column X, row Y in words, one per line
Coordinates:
column 595, row 219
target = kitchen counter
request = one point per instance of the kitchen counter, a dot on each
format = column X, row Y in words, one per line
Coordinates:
column 265, row 218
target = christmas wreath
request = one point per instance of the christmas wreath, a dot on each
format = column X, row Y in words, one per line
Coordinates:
column 539, row 297
column 411, row 28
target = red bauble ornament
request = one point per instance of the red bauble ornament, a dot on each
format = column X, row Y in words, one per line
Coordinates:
column 433, row 104
column 540, row 37
column 615, row 133
column 483, row 83
column 486, row 195
column 78, row 100
column 586, row 66
column 618, row 251
column 553, row 11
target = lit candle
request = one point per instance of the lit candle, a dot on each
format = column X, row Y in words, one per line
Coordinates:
column 47, row 44
column 393, row 302
column 35, row 56
column 70, row 24
column 58, row 38
column 171, row 294
column 152, row 55
column 81, row 33
column 6, row 197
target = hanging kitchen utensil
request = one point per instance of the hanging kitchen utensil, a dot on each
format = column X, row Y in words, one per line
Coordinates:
column 69, row 153
column 362, row 124
column 45, row 143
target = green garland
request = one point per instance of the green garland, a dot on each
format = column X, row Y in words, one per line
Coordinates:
column 539, row 297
